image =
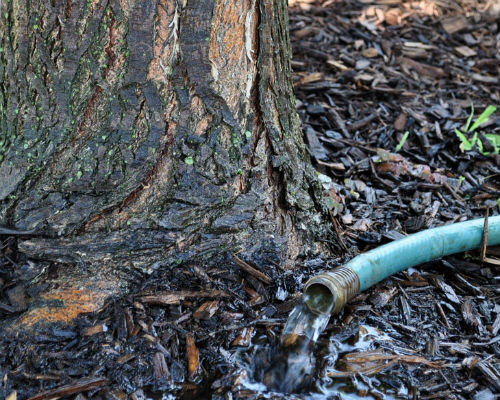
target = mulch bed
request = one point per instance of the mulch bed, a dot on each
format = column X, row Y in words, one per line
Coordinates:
column 366, row 72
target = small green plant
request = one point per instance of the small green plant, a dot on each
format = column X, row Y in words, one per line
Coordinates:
column 402, row 141
column 468, row 144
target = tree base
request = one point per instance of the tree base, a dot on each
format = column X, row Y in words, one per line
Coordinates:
column 93, row 268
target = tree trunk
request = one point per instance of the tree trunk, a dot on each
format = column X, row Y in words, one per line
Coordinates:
column 139, row 134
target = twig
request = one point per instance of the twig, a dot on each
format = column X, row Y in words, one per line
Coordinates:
column 338, row 232
column 453, row 192
column 335, row 119
column 484, row 237
column 251, row 270
column 355, row 126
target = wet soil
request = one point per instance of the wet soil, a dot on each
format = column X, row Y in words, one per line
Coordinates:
column 366, row 72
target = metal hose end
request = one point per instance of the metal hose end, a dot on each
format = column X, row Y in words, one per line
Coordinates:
column 342, row 283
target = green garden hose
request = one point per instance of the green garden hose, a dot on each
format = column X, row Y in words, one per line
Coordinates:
column 345, row 282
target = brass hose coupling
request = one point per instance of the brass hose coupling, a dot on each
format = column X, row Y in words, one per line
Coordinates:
column 342, row 283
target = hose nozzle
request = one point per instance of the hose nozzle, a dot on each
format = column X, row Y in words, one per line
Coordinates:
column 336, row 287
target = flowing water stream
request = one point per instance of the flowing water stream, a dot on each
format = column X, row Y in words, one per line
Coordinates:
column 291, row 366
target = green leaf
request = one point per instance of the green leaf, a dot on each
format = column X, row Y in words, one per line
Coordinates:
column 485, row 115
column 189, row 160
column 494, row 140
column 465, row 145
column 469, row 120
column 480, row 147
column 402, row 141
column 474, row 140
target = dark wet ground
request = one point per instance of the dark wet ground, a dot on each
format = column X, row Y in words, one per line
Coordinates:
column 366, row 73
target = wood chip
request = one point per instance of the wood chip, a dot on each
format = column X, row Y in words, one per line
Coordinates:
column 496, row 325
column 454, row 24
column 380, row 299
column 82, row 385
column 400, row 122
column 12, row 396
column 160, row 367
column 489, row 372
column 470, row 315
column 302, row 33
column 206, row 310
column 484, row 78
column 92, row 330
column 370, row 52
column 447, row 289
column 335, row 166
column 362, row 64
column 125, row 358
column 375, row 361
column 423, row 69
column 465, row 51
column 17, row 297
column 166, row 298
column 317, row 150
column 393, row 16
column 310, row 78
column 244, row 339
column 337, row 65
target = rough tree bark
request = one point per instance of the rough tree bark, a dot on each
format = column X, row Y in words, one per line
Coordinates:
column 137, row 134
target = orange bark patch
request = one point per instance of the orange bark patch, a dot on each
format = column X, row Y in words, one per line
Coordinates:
column 193, row 356
column 227, row 38
column 233, row 52
column 63, row 306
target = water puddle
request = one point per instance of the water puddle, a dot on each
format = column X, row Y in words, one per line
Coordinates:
column 351, row 364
